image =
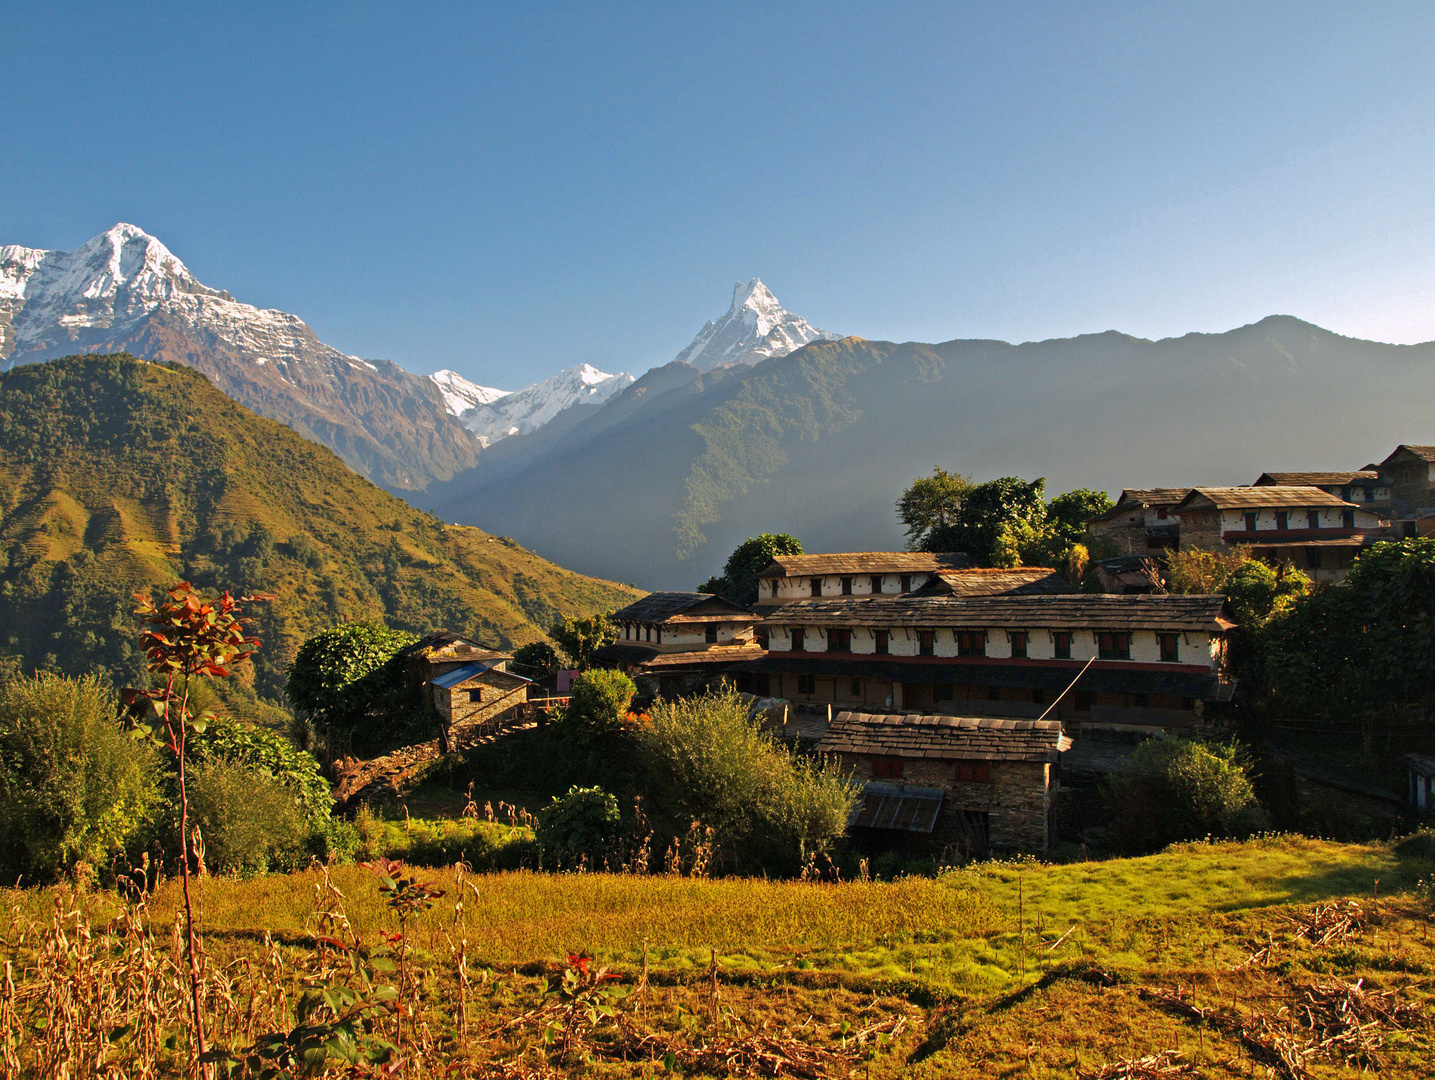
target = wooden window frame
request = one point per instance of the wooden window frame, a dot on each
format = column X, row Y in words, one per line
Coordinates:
column 972, row 772
column 839, row 639
column 971, row 642
column 847, row 585
column 1250, row 520
column 926, row 643
column 807, row 684
column 888, row 768
column 1019, row 642
column 1061, row 644
column 799, row 639
column 710, row 633
column 1283, row 520
column 1173, row 654
column 906, row 583
column 1312, row 519
column 814, row 587
column 881, row 642
column 1113, row 645
column 875, row 584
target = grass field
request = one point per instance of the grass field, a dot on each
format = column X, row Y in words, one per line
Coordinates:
column 1008, row 969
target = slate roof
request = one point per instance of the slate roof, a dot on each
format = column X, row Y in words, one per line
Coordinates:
column 1425, row 453
column 663, row 606
column 449, row 679
column 1316, row 479
column 1132, row 498
column 717, row 654
column 1106, row 611
column 916, row 735
column 1421, row 763
column 866, row 562
column 990, row 582
column 1258, row 498
column 444, row 645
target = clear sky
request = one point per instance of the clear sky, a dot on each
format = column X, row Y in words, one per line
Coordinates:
column 506, row 189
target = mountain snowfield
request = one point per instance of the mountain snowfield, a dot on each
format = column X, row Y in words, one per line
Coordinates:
column 527, row 410
column 755, row 328
column 460, row 395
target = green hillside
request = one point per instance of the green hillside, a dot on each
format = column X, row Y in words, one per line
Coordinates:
column 118, row 475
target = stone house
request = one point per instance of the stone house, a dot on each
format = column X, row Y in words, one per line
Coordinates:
column 1421, row 790
column 1319, row 533
column 673, row 642
column 1410, row 470
column 1140, row 523
column 976, row 782
column 1362, row 487
column 855, row 573
column 1140, row 663
column 443, row 651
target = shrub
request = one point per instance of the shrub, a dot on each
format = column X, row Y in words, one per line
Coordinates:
column 769, row 810
column 600, row 704
column 249, row 821
column 1179, row 789
column 582, row 825
column 74, row 788
column 348, row 682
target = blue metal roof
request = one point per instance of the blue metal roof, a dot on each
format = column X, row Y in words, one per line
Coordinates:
column 452, row 678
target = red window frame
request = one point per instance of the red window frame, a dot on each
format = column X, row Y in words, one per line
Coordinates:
column 926, row 643
column 973, row 772
column 1018, row 644
column 887, row 768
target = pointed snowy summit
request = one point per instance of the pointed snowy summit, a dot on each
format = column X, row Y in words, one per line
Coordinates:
column 530, row 408
column 460, row 395
column 755, row 328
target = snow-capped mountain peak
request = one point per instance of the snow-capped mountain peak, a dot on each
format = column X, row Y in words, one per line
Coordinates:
column 460, row 395
column 755, row 328
column 530, row 408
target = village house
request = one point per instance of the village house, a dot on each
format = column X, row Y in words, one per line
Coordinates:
column 1145, row 663
column 856, row 573
column 1140, row 523
column 672, row 642
column 975, row 782
column 1317, row 532
column 1410, row 471
column 1420, row 793
column 1364, row 486
column 467, row 685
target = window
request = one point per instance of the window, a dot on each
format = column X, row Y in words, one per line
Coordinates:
column 972, row 643
column 926, row 643
column 856, row 688
column 1250, row 520
column 1113, row 646
column 847, row 586
column 1312, row 558
column 648, row 633
column 1283, row 519
column 1062, row 643
column 1160, row 513
column 942, row 692
column 974, row 772
column 876, row 583
column 906, row 583
column 475, row 695
column 760, row 635
column 1018, row 644
column 710, row 633
column 839, row 640
column 1170, row 648
column 657, row 635
column 1312, row 519
column 798, row 636
column 807, row 684
column 881, row 639
column 1347, row 519
column 1038, row 697
column 887, row 768
column 814, row 587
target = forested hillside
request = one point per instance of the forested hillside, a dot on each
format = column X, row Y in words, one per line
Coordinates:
column 118, row 475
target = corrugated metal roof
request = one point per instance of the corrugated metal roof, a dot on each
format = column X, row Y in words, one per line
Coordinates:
column 1106, row 611
column 866, row 562
column 924, row 735
column 1259, row 498
column 901, row 807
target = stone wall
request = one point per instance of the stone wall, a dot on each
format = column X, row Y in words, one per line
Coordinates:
column 1018, row 799
column 1201, row 530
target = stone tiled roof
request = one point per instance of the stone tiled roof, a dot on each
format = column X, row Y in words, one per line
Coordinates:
column 662, row 606
column 914, row 735
column 1105, row 611
column 445, row 645
column 716, row 654
column 1425, row 453
column 1308, row 479
column 1133, row 498
column 990, row 582
column 1258, row 498
column 866, row 562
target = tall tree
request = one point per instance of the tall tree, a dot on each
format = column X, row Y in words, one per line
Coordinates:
column 932, row 507
column 738, row 582
column 581, row 638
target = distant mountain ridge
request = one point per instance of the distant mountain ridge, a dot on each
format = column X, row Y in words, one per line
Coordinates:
column 125, row 291
column 669, row 476
column 529, row 409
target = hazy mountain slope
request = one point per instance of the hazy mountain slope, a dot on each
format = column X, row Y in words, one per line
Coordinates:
column 117, row 475
column 821, row 442
column 125, row 291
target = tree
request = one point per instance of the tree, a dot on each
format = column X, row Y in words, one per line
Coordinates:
column 581, row 638
column 1203, row 573
column 931, row 507
column 347, row 685
column 1179, row 789
column 599, row 704
column 536, row 660
column 738, row 582
column 74, row 788
column 190, row 638
column 1068, row 513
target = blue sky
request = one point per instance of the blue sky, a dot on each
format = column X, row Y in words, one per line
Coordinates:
column 507, row 189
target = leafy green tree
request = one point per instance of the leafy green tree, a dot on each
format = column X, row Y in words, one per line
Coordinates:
column 1068, row 513
column 249, row 821
column 581, row 638
column 536, row 660
column 349, row 680
column 1197, row 572
column 1179, row 789
column 769, row 809
column 931, row 509
column 1259, row 592
column 738, row 582
column 599, row 704
column 74, row 788
column 582, row 826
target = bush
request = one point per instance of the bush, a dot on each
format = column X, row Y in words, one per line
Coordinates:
column 600, row 704
column 769, row 810
column 249, row 821
column 74, row 788
column 582, row 826
column 348, row 682
column 1179, row 789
